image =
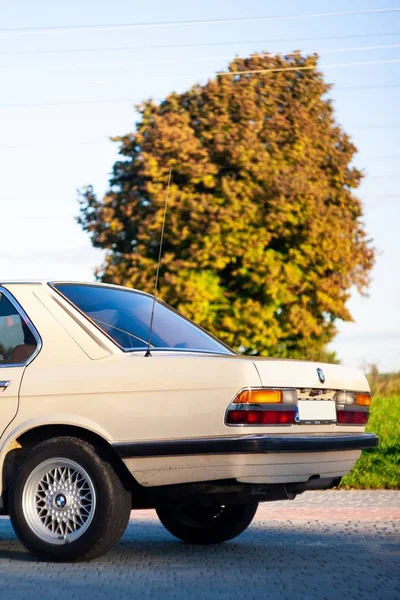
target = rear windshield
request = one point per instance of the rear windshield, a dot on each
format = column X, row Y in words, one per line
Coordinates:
column 124, row 315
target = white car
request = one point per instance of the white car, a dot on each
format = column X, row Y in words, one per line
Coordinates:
column 98, row 417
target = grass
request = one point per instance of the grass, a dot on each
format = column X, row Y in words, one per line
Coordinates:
column 380, row 468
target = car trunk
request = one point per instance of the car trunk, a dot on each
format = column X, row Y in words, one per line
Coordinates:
column 302, row 374
column 316, row 385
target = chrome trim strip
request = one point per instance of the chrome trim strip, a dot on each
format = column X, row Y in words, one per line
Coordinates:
column 262, row 407
column 31, row 327
column 182, row 350
column 341, row 391
column 352, row 408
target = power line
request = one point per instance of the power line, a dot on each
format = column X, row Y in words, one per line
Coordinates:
column 38, row 217
column 306, row 68
column 200, row 45
column 366, row 87
column 59, row 145
column 72, row 103
column 165, row 24
column 386, row 176
column 351, row 49
column 378, row 126
column 387, row 157
column 386, row 196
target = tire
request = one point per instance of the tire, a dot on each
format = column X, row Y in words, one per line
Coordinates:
column 68, row 477
column 207, row 523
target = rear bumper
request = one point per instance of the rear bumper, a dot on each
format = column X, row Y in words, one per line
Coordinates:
column 248, row 444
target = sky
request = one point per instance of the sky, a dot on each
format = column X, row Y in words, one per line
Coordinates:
column 64, row 92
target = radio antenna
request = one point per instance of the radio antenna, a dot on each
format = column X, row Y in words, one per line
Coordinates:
column 148, row 353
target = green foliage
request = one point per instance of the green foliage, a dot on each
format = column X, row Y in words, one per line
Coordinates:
column 264, row 237
column 380, row 468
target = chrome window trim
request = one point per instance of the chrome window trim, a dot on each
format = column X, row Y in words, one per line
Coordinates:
column 181, row 350
column 352, row 392
column 30, row 325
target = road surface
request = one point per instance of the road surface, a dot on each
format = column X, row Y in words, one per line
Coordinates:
column 324, row 545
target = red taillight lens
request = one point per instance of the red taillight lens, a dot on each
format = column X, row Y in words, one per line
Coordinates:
column 352, row 417
column 236, row 417
column 261, row 417
column 287, row 417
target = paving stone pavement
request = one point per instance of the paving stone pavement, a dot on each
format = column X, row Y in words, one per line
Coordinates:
column 323, row 545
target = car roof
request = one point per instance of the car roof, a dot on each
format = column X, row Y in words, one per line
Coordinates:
column 50, row 282
column 66, row 281
column 22, row 282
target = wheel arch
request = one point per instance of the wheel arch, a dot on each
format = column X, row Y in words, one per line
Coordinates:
column 24, row 441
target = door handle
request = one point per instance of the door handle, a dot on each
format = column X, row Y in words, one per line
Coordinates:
column 4, row 385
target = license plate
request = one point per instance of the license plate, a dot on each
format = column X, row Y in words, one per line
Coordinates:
column 317, row 412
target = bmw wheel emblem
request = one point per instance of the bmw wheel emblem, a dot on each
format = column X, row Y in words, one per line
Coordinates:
column 61, row 501
column 321, row 375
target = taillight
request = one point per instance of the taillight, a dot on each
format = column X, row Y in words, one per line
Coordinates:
column 352, row 417
column 261, row 417
column 352, row 408
column 263, row 406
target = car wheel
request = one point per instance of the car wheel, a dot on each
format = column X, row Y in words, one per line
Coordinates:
column 66, row 501
column 208, row 523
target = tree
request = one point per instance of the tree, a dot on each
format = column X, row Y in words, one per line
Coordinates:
column 264, row 237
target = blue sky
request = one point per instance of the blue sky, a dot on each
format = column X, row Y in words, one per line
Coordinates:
column 60, row 101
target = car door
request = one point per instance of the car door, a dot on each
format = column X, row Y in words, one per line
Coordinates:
column 19, row 343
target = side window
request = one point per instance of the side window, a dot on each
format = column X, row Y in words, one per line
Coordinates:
column 17, row 342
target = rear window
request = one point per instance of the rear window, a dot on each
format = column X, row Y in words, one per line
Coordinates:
column 124, row 315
